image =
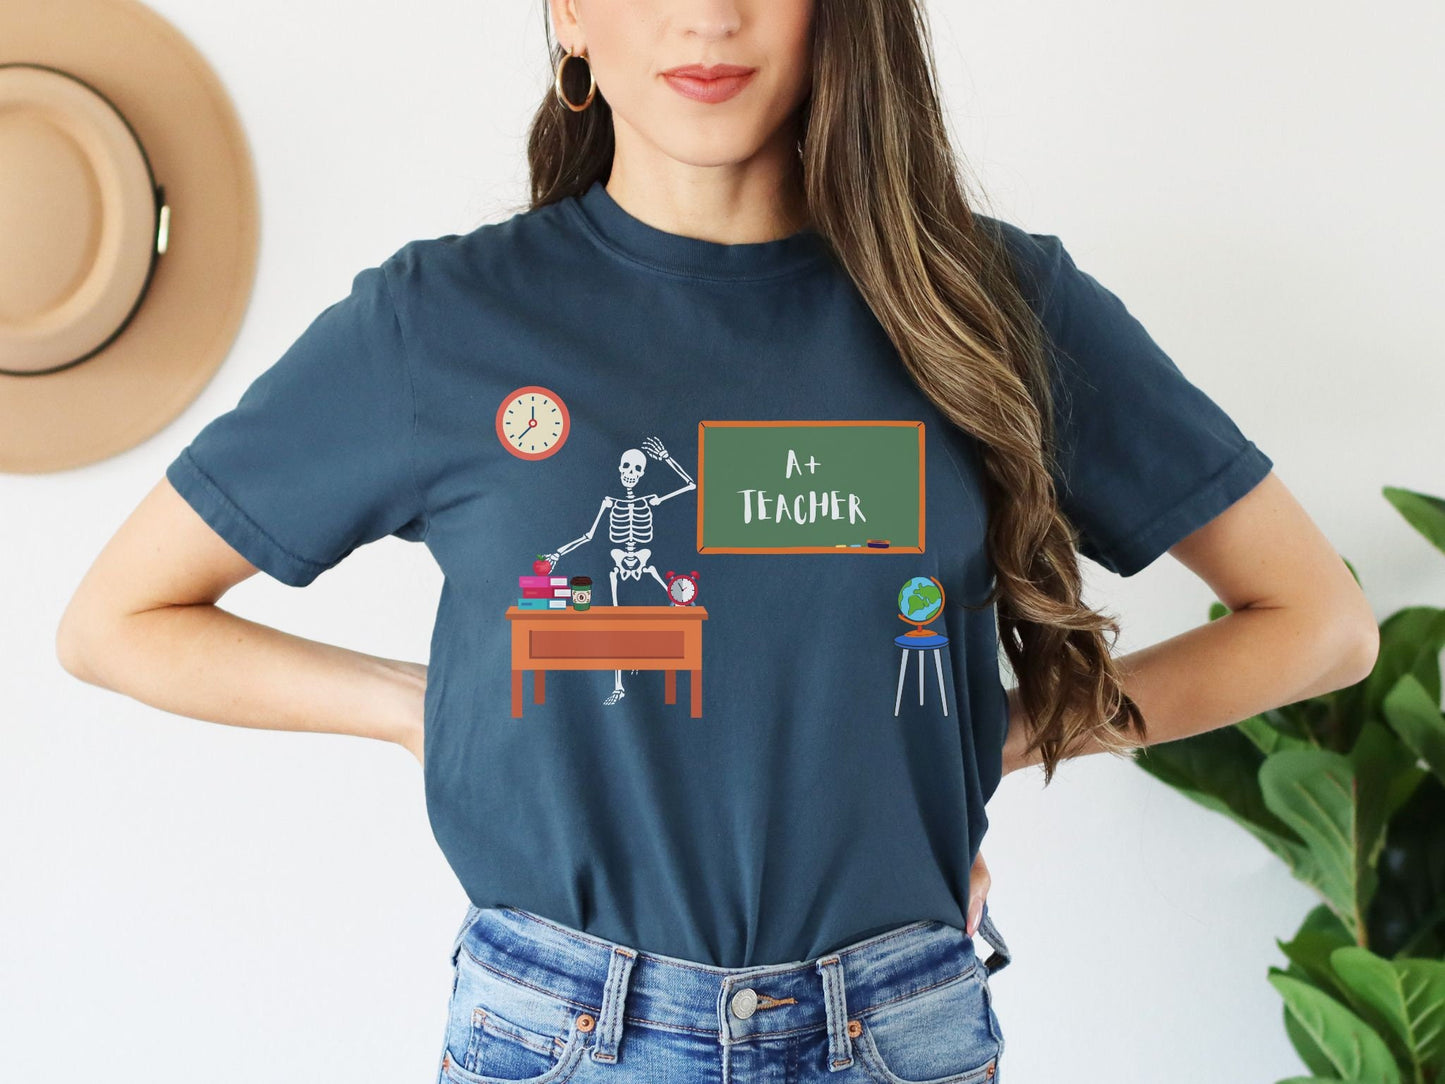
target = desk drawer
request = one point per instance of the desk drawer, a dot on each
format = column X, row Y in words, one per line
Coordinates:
column 598, row 644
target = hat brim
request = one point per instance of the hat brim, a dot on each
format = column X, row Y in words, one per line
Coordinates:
column 198, row 295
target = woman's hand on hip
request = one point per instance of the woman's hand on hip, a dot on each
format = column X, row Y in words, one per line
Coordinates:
column 978, row 886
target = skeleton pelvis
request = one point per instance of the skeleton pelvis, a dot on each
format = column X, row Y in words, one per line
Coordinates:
column 630, row 565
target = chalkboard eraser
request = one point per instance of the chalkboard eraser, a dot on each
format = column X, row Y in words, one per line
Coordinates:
column 878, row 543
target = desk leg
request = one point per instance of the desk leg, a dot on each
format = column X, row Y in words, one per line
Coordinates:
column 695, row 687
column 669, row 687
column 516, row 694
column 539, row 686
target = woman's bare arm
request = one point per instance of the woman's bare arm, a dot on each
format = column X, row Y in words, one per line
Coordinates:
column 1299, row 626
column 144, row 622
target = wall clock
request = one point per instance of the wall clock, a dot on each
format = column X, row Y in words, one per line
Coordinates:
column 533, row 422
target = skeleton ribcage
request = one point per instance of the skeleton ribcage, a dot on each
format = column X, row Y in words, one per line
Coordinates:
column 630, row 520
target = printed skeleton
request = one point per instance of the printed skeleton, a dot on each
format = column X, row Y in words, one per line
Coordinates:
column 629, row 528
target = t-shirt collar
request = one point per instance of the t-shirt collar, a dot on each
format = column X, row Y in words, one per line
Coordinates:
column 635, row 240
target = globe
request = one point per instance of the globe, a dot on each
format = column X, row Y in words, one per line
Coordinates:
column 920, row 599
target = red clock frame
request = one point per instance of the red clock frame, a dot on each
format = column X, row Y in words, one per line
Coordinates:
column 534, row 389
column 696, row 589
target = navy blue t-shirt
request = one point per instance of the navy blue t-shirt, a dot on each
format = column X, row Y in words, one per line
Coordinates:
column 702, row 679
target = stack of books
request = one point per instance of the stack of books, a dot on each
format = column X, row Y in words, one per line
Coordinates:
column 544, row 593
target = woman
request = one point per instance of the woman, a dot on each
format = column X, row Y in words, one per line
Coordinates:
column 748, row 383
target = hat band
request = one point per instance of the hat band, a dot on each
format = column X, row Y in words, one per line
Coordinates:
column 82, row 221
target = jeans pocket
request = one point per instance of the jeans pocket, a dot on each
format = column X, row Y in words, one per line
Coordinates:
column 502, row 1032
column 944, row 1035
column 494, row 1050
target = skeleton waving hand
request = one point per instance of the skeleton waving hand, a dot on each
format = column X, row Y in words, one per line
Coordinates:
column 629, row 526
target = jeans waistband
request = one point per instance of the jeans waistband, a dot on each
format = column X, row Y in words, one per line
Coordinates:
column 609, row 980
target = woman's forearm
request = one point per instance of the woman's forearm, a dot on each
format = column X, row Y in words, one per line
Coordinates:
column 1222, row 672
column 208, row 663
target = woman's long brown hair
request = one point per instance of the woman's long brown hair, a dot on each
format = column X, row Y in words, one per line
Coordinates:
column 886, row 189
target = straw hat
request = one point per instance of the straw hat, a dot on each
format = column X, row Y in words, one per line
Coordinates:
column 128, row 228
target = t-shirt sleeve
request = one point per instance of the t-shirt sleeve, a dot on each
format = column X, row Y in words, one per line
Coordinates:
column 315, row 459
column 1145, row 457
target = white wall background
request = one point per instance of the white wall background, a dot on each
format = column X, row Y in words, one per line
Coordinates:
column 182, row 901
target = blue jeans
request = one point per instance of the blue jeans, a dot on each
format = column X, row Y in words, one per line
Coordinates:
column 537, row 1002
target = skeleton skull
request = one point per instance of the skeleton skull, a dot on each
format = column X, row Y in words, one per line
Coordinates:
column 632, row 466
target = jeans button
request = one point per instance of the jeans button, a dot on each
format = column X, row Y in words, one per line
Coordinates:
column 745, row 1002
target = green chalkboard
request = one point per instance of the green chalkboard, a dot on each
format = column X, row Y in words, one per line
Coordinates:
column 810, row 487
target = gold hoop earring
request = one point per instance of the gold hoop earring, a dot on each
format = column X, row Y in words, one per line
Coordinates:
column 562, row 94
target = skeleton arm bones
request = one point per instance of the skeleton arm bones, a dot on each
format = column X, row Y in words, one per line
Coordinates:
column 659, row 452
column 570, row 546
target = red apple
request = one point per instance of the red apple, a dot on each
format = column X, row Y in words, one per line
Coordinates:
column 541, row 566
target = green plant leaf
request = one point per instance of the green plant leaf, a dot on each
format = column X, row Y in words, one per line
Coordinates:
column 1410, row 643
column 1353, row 571
column 1421, row 511
column 1313, row 791
column 1219, row 769
column 1309, row 1051
column 1318, row 936
column 1418, row 721
column 1386, row 775
column 1276, row 729
column 1320, row 1080
column 1352, row 1047
column 1408, row 996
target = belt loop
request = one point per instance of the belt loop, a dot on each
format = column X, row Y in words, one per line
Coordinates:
column 1000, row 957
column 835, row 1001
column 614, row 998
column 472, row 912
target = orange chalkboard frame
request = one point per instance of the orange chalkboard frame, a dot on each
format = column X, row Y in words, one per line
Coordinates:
column 782, row 422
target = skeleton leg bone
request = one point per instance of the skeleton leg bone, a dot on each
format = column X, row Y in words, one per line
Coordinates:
column 618, row 692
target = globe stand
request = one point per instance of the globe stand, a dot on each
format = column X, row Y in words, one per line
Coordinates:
column 921, row 640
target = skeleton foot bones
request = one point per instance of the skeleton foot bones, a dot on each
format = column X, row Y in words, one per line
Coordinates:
column 629, row 527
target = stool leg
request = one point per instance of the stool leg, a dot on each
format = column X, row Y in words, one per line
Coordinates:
column 938, row 662
column 898, row 696
column 920, row 677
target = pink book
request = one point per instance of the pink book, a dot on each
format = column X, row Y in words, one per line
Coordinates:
column 541, row 581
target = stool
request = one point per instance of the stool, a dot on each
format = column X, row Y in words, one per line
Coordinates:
column 920, row 644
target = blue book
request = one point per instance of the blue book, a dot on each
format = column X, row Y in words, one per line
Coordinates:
column 543, row 603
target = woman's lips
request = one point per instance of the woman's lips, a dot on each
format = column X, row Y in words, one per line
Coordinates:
column 704, row 85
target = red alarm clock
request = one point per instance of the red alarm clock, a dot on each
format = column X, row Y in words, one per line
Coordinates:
column 682, row 589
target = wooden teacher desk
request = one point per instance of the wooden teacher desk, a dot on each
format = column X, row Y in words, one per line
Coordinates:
column 667, row 638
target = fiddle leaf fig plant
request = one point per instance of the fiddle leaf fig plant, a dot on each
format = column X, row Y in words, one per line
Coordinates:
column 1347, row 789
